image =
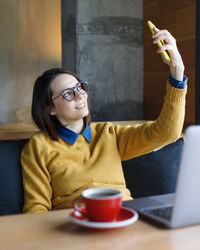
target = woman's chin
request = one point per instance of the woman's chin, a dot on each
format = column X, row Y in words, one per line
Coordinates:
column 85, row 112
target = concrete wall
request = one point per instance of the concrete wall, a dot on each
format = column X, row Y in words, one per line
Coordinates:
column 103, row 42
column 30, row 42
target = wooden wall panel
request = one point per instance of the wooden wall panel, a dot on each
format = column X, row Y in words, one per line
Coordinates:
column 179, row 17
column 30, row 43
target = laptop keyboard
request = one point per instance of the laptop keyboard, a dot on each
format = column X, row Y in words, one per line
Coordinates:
column 163, row 212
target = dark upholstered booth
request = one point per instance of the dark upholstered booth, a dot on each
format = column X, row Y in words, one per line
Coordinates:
column 11, row 189
column 150, row 174
column 154, row 173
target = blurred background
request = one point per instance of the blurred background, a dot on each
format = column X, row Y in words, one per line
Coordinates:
column 107, row 42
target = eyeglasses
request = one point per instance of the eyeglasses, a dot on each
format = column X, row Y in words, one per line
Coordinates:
column 69, row 94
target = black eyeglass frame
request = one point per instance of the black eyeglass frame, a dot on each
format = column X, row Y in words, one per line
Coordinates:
column 73, row 89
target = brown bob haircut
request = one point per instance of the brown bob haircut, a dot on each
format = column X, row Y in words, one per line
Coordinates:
column 42, row 100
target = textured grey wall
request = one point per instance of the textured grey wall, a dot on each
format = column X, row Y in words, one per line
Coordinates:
column 30, row 42
column 102, row 41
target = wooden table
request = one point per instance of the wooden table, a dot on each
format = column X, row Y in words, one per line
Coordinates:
column 54, row 230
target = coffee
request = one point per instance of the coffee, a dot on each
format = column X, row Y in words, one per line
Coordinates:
column 100, row 195
column 101, row 204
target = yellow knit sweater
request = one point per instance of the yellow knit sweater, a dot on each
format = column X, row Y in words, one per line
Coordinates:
column 56, row 172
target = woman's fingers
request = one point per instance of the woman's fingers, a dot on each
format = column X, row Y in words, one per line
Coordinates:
column 165, row 47
column 176, row 64
column 164, row 36
column 161, row 32
column 155, row 29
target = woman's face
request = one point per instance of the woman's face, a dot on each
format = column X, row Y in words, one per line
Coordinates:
column 68, row 112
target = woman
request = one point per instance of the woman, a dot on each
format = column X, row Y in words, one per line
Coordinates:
column 69, row 154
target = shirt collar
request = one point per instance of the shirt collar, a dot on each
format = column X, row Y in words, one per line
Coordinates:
column 71, row 136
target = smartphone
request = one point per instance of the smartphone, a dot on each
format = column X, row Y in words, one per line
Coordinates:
column 160, row 43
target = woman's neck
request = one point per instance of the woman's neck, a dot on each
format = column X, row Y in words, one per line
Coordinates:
column 77, row 126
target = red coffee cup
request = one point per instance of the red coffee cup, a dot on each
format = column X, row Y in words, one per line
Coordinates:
column 101, row 204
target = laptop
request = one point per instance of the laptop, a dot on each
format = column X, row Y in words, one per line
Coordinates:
column 181, row 208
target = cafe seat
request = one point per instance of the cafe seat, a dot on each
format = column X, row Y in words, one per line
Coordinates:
column 11, row 188
column 153, row 173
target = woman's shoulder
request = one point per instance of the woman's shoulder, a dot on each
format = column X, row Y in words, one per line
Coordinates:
column 39, row 142
column 101, row 125
column 40, row 138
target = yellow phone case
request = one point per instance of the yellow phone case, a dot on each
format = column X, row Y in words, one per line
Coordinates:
column 164, row 53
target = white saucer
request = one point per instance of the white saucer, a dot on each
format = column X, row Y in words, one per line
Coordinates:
column 126, row 217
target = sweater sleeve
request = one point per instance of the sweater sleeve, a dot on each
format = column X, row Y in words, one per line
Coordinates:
column 143, row 138
column 36, row 178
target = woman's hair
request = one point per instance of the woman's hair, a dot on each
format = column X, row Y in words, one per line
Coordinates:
column 42, row 102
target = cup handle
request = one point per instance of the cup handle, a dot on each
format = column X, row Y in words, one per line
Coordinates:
column 78, row 208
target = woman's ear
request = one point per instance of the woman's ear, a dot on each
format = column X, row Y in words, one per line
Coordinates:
column 51, row 110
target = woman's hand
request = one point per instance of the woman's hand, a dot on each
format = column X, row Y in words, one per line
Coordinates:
column 176, row 64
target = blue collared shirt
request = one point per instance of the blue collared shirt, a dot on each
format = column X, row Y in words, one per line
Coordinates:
column 176, row 83
column 71, row 136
